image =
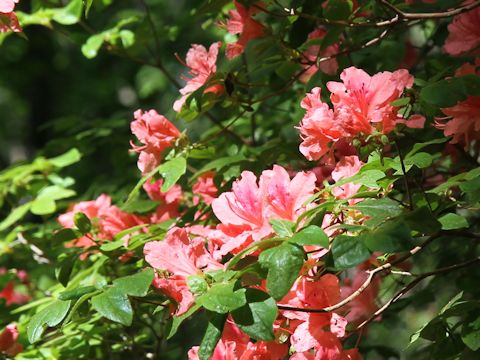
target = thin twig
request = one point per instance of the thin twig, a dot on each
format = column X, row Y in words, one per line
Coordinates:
column 366, row 283
column 412, row 284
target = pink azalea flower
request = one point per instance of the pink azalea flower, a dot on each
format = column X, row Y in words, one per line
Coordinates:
column 285, row 197
column 8, row 341
column 205, row 188
column 169, row 201
column 317, row 331
column 7, row 6
column 12, row 296
column 94, row 210
column 202, row 64
column 181, row 257
column 361, row 105
column 241, row 22
column 8, row 19
column 116, row 220
column 235, row 345
column 245, row 212
column 362, row 101
column 318, row 127
column 156, row 134
column 345, row 168
column 463, row 33
column 464, row 125
column 107, row 221
column 314, row 52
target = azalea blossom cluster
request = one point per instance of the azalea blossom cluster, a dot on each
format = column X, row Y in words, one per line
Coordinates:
column 245, row 214
column 362, row 105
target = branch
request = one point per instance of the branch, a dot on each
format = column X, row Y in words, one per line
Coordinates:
column 367, row 282
column 400, row 16
column 433, row 15
column 414, row 283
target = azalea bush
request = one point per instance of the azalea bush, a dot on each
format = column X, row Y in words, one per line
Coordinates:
column 240, row 179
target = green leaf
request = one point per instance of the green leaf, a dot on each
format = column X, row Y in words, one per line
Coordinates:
column 419, row 146
column 222, row 298
column 63, row 235
column 127, row 37
column 384, row 208
column 88, row 5
column 50, row 316
column 171, row 171
column 82, row 222
column 448, row 92
column 15, row 215
column 70, row 157
column 453, row 221
column 257, row 316
column 420, row 159
column 43, row 206
column 348, row 251
column 93, row 44
column 452, row 302
column 283, row 228
column 70, row 14
column 114, row 305
column 338, row 9
column 197, row 284
column 311, row 235
column 135, row 285
column 283, row 263
column 45, row 202
column 112, row 245
column 140, row 206
column 391, row 236
column 401, row 101
column 64, row 269
column 76, row 293
column 178, row 320
column 471, row 334
column 212, row 335
column 422, row 220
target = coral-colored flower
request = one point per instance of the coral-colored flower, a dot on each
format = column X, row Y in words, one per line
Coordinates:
column 8, row 341
column 318, row 127
column 12, row 296
column 156, row 134
column 107, row 221
column 317, row 331
column 13, row 292
column 284, row 197
column 94, row 210
column 245, row 212
column 205, row 188
column 314, row 52
column 181, row 257
column 202, row 64
column 169, row 201
column 235, row 345
column 345, row 168
column 463, row 33
column 8, row 19
column 361, row 105
column 464, row 125
column 241, row 22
